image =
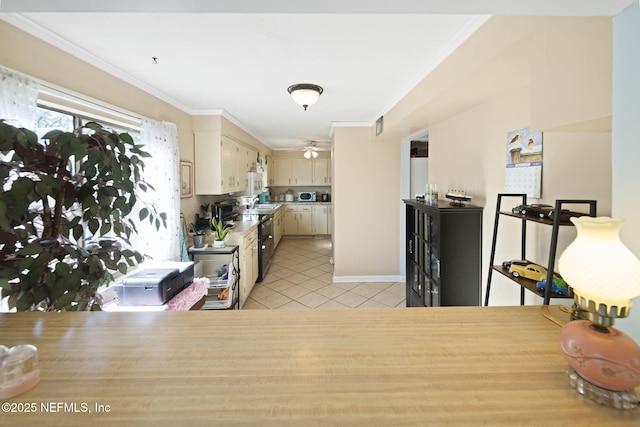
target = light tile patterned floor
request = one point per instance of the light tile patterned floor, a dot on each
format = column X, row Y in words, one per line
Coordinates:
column 301, row 275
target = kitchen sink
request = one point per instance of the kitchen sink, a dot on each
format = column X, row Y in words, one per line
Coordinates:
column 266, row 206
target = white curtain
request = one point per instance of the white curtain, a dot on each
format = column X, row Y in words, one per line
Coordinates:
column 18, row 99
column 160, row 139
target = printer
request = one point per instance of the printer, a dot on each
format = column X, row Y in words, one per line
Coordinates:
column 155, row 284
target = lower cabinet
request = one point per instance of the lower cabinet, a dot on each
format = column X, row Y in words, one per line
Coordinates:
column 248, row 265
column 443, row 254
column 249, row 271
column 278, row 226
column 297, row 220
column 320, row 215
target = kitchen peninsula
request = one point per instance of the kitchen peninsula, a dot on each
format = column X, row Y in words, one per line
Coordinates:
column 420, row 366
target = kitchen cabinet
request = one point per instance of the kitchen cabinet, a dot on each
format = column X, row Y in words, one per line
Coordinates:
column 278, row 226
column 297, row 220
column 320, row 219
column 217, row 169
column 329, row 219
column 290, row 171
column 246, row 163
column 248, row 264
column 321, row 172
column 443, row 254
column 556, row 221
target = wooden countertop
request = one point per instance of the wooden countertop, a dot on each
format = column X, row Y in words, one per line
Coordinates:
column 389, row 367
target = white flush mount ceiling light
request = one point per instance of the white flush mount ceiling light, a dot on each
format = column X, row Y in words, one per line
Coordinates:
column 305, row 94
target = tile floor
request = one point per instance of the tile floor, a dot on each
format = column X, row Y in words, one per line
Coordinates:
column 300, row 277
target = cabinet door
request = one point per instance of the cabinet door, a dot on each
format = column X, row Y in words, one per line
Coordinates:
column 329, row 220
column 207, row 161
column 290, row 222
column 302, row 172
column 277, row 228
column 320, row 220
column 321, row 172
column 305, row 225
column 229, row 166
column 281, row 171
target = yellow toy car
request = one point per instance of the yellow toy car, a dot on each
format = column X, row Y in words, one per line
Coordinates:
column 529, row 271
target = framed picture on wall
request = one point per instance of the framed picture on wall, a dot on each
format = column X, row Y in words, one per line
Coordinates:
column 186, row 179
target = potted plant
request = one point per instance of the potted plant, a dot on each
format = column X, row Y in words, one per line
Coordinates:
column 198, row 235
column 65, row 211
column 221, row 230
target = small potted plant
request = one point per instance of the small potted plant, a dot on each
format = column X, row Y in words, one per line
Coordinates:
column 221, row 230
column 198, row 236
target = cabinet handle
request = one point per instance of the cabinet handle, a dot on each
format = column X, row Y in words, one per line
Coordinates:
column 410, row 246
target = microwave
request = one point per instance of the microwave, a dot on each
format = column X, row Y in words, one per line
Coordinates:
column 307, row 196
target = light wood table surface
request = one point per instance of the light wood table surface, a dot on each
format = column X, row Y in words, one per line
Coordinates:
column 458, row 366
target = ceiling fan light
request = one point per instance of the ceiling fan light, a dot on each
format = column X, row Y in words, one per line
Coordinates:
column 307, row 154
column 314, row 154
column 305, row 94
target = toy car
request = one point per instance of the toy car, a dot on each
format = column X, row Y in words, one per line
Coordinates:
column 541, row 210
column 558, row 286
column 507, row 264
column 529, row 271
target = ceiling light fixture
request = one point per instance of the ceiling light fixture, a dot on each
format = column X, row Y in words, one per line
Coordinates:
column 305, row 94
column 309, row 153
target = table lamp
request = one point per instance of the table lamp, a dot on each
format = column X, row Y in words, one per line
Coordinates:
column 604, row 363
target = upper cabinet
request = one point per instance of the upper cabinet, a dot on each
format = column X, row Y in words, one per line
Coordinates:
column 321, row 172
column 218, row 161
column 286, row 171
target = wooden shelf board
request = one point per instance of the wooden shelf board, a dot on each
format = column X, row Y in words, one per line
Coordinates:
column 529, row 284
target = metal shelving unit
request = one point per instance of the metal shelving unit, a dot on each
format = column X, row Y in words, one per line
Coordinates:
column 556, row 222
column 212, row 260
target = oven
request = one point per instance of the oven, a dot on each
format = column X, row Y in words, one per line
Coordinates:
column 265, row 244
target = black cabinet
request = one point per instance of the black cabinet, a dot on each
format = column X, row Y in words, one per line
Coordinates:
column 444, row 254
column 558, row 218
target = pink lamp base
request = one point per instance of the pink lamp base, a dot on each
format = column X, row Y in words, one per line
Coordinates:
column 624, row 399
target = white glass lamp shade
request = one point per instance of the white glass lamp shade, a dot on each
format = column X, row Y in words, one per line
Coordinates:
column 314, row 154
column 307, row 154
column 603, row 272
column 305, row 94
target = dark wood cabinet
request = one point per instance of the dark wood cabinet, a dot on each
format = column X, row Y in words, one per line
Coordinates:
column 444, row 254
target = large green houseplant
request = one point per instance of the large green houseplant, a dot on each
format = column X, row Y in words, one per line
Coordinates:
column 65, row 210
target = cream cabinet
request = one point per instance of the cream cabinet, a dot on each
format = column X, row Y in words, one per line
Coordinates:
column 320, row 219
column 290, row 171
column 248, row 265
column 321, row 172
column 297, row 220
column 278, row 226
column 217, row 164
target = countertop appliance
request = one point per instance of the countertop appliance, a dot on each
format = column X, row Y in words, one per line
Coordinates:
column 155, row 285
column 307, row 196
column 226, row 210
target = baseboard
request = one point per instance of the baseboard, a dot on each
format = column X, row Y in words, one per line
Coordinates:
column 366, row 279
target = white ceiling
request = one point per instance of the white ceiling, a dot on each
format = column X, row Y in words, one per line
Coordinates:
column 239, row 56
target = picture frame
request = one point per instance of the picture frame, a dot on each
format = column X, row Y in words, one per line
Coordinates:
column 186, row 179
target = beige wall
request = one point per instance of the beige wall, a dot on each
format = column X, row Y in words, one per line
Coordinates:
column 365, row 180
column 491, row 85
column 24, row 53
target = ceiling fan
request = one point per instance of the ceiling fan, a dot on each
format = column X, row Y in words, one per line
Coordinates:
column 310, row 150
